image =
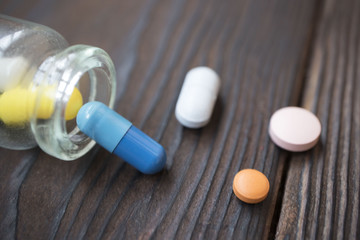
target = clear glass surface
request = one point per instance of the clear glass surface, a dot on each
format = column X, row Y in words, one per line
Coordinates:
column 38, row 74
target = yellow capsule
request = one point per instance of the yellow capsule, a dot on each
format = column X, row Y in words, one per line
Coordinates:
column 46, row 104
column 17, row 105
column 74, row 104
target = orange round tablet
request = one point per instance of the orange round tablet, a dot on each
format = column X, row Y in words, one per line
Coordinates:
column 251, row 186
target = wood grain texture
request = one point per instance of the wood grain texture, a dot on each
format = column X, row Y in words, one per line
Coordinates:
column 321, row 198
column 258, row 47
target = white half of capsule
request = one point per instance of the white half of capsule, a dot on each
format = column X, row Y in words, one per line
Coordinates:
column 197, row 97
column 12, row 72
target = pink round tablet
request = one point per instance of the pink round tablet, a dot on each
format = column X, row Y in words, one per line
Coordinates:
column 294, row 129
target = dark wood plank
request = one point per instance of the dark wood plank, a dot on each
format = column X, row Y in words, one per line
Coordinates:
column 322, row 188
column 259, row 48
column 15, row 165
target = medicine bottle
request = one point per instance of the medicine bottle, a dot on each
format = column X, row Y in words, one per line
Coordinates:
column 43, row 83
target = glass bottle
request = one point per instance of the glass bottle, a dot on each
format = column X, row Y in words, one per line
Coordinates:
column 43, row 83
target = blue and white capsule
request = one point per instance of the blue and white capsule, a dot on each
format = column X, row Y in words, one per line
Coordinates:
column 117, row 135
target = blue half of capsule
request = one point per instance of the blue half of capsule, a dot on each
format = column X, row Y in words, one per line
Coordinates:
column 117, row 135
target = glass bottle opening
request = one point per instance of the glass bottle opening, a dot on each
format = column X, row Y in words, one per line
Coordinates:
column 86, row 69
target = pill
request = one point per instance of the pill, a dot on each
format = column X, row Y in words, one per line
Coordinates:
column 251, row 186
column 294, row 129
column 119, row 136
column 197, row 97
column 14, row 106
column 17, row 105
column 74, row 104
column 12, row 72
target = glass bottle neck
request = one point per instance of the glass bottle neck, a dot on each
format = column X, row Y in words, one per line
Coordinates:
column 79, row 67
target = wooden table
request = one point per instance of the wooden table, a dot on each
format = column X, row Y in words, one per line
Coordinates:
column 269, row 54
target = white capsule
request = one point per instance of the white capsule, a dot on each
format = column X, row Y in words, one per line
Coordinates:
column 12, row 72
column 197, row 97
